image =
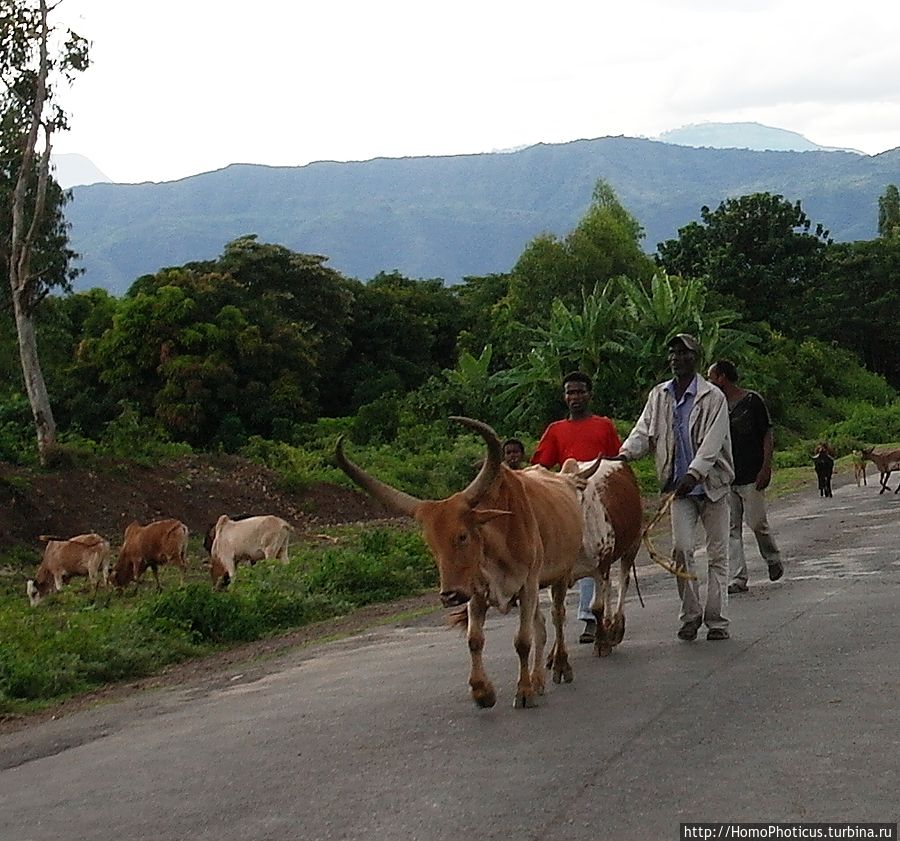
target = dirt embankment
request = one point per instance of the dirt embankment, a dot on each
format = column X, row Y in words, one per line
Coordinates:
column 193, row 489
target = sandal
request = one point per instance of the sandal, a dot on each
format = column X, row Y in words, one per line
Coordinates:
column 589, row 634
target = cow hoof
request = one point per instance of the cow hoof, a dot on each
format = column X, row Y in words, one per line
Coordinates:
column 604, row 649
column 524, row 701
column 562, row 671
column 617, row 632
column 484, row 698
column 564, row 674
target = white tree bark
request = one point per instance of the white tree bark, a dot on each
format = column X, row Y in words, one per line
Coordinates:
column 35, row 387
column 22, row 238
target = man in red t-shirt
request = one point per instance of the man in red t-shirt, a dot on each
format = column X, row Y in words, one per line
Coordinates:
column 584, row 437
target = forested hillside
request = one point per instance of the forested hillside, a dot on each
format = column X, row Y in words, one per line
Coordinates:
column 451, row 217
column 266, row 344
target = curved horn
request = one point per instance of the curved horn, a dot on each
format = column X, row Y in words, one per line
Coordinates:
column 590, row 470
column 390, row 497
column 491, row 467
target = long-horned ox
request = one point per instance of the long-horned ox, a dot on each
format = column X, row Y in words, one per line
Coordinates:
column 158, row 543
column 65, row 558
column 613, row 516
column 246, row 538
column 887, row 462
column 499, row 540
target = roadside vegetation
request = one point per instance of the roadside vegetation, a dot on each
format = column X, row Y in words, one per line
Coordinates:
column 74, row 642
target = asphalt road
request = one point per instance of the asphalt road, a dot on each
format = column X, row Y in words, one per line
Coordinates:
column 793, row 719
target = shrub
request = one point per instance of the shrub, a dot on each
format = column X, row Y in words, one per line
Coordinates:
column 296, row 467
column 386, row 565
column 864, row 426
column 377, row 421
column 17, row 438
column 231, row 435
column 138, row 439
column 205, row 614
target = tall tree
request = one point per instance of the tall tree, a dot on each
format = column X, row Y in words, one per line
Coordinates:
column 308, row 292
column 857, row 303
column 29, row 117
column 402, row 331
column 760, row 252
column 485, row 307
column 198, row 354
column 603, row 245
column 889, row 213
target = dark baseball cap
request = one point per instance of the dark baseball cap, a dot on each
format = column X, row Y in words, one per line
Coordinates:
column 687, row 340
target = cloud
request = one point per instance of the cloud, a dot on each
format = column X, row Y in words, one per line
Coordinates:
column 183, row 87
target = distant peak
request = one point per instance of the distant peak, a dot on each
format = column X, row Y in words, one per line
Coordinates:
column 754, row 136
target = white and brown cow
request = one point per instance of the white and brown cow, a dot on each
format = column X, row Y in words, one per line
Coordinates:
column 247, row 538
column 613, row 517
column 499, row 540
column 65, row 558
column 158, row 543
column 887, row 461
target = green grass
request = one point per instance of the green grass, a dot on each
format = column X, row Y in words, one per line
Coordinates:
column 72, row 643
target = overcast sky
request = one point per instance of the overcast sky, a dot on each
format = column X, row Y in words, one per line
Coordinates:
column 179, row 87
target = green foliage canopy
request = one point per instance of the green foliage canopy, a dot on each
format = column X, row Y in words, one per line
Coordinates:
column 603, row 245
column 857, row 301
column 759, row 252
column 195, row 351
column 618, row 336
column 889, row 213
column 401, row 332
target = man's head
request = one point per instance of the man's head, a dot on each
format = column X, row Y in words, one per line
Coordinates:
column 577, row 393
column 723, row 372
column 684, row 354
column 513, row 453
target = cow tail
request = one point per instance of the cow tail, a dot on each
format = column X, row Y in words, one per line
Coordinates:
column 637, row 585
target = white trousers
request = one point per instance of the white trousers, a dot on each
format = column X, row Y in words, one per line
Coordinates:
column 687, row 512
column 748, row 505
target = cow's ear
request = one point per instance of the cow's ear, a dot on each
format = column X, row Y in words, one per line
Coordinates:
column 485, row 515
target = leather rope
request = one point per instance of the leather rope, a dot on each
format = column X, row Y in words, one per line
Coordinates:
column 655, row 555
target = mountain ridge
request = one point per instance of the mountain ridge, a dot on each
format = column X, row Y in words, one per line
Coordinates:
column 452, row 216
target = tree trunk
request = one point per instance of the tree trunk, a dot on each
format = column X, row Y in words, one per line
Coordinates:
column 21, row 242
column 36, row 388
